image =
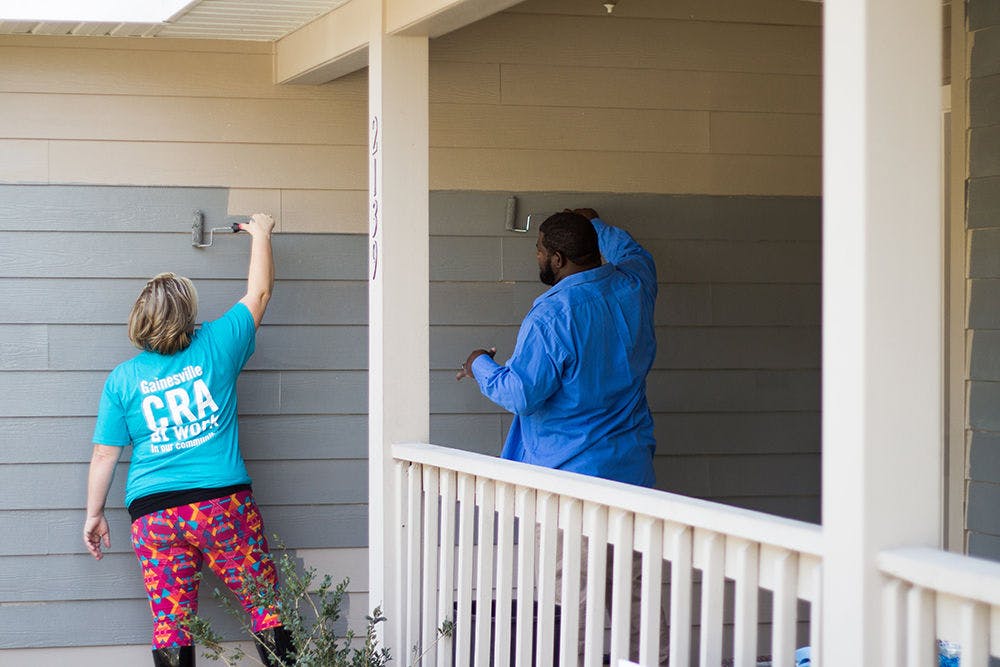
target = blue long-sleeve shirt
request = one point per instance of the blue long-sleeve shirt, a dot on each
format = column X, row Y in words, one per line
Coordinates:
column 576, row 381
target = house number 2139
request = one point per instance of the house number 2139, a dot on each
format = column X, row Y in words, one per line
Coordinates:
column 373, row 220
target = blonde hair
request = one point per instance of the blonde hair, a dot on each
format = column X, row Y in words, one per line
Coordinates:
column 162, row 318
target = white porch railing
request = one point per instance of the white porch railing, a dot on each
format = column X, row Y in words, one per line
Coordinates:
column 932, row 594
column 443, row 490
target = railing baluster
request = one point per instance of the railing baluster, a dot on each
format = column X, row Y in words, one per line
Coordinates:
column 525, row 508
column 620, row 523
column 414, row 569
column 485, row 493
column 463, row 618
column 505, row 566
column 893, row 617
column 741, row 567
column 569, row 521
column 649, row 539
column 921, row 647
column 995, row 630
column 548, row 528
column 677, row 547
column 709, row 553
column 811, row 589
column 974, row 620
column 446, row 574
column 400, row 492
column 429, row 572
column 595, row 527
column 784, row 576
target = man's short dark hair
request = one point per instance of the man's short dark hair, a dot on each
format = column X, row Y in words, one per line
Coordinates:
column 571, row 235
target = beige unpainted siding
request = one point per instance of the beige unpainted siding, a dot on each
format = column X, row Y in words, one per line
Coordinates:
column 717, row 97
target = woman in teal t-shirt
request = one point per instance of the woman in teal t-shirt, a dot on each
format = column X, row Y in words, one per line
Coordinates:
column 188, row 492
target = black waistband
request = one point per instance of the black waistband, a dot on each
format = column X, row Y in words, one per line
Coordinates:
column 155, row 502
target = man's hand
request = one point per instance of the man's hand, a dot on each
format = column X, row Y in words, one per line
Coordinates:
column 588, row 213
column 95, row 531
column 466, row 370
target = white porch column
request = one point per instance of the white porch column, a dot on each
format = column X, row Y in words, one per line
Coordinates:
column 398, row 301
column 882, row 305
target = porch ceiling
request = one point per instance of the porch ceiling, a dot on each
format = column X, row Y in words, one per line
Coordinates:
column 256, row 20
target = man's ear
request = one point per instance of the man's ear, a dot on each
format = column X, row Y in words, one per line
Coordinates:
column 558, row 260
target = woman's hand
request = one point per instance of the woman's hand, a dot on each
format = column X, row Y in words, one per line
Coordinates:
column 260, row 223
column 96, row 532
column 102, row 469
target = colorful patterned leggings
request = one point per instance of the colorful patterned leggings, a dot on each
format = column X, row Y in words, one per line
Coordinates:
column 171, row 545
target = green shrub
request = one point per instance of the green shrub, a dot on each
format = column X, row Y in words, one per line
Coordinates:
column 309, row 613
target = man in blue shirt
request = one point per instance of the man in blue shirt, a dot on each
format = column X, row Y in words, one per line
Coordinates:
column 576, row 381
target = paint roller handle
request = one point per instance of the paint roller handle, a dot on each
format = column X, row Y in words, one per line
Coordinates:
column 236, row 221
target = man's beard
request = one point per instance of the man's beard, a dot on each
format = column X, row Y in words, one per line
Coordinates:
column 547, row 275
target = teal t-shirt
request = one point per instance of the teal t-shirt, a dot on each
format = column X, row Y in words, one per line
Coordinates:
column 178, row 411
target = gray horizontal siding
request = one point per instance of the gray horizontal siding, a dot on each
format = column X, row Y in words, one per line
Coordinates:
column 699, row 261
column 693, row 217
column 262, row 437
column 688, row 433
column 983, row 397
column 984, row 546
column 804, row 508
column 984, row 499
column 279, row 347
column 674, row 391
column 691, row 304
column 44, row 301
column 984, row 456
column 984, row 149
column 26, row 254
column 983, row 202
column 735, row 385
column 984, row 361
column 983, row 238
column 983, row 247
column 984, row 98
column 260, row 392
column 138, row 255
column 57, row 531
column 985, row 58
column 695, row 347
column 984, row 304
column 482, row 433
column 276, row 482
column 983, row 13
column 300, row 302
column 763, row 347
column 739, row 476
column 320, row 347
column 124, row 621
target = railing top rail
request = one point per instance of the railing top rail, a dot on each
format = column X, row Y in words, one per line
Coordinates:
column 747, row 524
column 944, row 572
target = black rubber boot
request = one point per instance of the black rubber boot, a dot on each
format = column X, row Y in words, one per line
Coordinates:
column 179, row 656
column 275, row 643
